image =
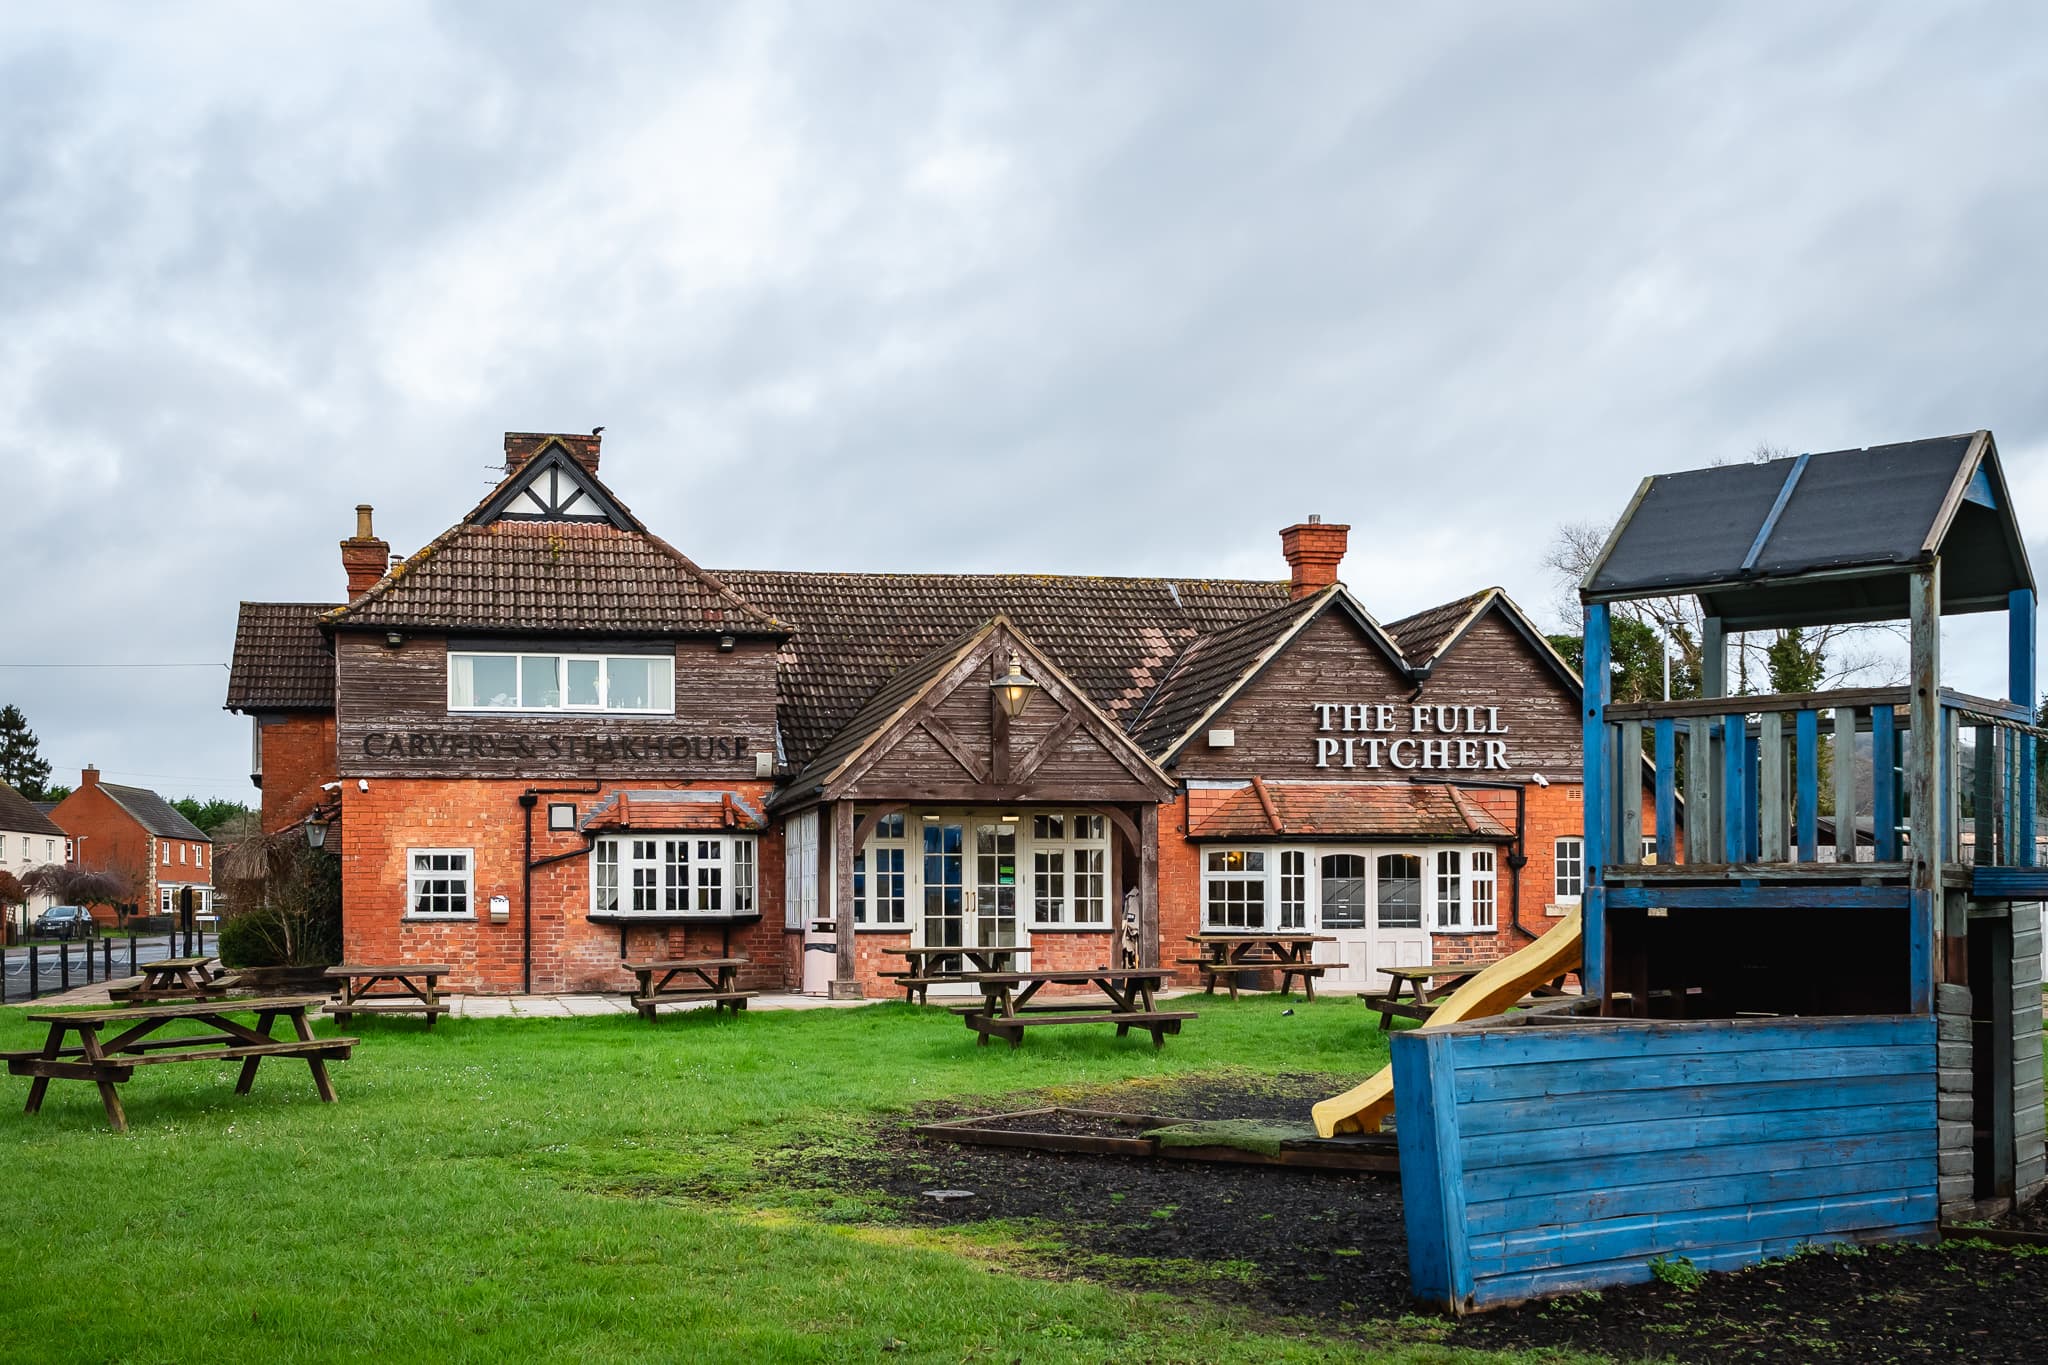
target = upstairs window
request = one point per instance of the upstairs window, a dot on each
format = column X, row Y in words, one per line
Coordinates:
column 633, row 683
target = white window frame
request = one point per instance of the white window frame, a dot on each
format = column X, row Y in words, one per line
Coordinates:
column 1477, row 907
column 889, row 842
column 414, row 876
column 679, row 874
column 1062, row 864
column 1559, row 858
column 1244, row 874
column 666, row 666
column 1292, row 875
column 800, row 871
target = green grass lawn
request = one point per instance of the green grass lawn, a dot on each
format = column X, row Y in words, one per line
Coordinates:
column 587, row 1189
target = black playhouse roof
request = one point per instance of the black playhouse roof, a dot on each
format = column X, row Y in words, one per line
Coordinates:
column 1824, row 537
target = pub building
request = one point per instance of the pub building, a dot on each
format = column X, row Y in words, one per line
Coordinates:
column 548, row 742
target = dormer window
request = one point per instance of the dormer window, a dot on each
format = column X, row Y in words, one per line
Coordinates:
column 642, row 684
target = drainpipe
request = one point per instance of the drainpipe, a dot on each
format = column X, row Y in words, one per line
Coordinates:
column 528, row 799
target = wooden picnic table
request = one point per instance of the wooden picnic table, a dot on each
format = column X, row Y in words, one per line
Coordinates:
column 410, row 989
column 110, row 1062
column 174, row 978
column 702, row 978
column 1225, row 955
column 1006, row 1009
column 922, row 969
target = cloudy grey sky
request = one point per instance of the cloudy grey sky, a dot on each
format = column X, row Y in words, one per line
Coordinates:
column 1116, row 288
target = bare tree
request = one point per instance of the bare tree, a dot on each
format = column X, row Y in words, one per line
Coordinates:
column 68, row 885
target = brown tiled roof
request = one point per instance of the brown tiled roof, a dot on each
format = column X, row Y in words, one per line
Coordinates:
column 657, row 809
column 154, row 814
column 282, row 662
column 19, row 815
column 1310, row 810
column 1420, row 636
column 1115, row 637
column 556, row 577
column 1212, row 666
column 891, row 697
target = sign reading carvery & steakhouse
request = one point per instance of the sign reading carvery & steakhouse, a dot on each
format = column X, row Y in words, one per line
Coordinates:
column 1410, row 738
column 570, row 748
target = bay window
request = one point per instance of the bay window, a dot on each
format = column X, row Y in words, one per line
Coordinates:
column 673, row 875
column 632, row 683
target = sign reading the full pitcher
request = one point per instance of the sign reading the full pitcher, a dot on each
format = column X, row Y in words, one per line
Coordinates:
column 1410, row 738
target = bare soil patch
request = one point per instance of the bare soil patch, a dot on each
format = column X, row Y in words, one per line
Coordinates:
column 1331, row 1249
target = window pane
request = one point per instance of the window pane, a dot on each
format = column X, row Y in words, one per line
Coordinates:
column 661, row 684
column 582, row 677
column 629, row 685
column 1343, row 891
column 1400, row 891
column 483, row 680
column 540, row 680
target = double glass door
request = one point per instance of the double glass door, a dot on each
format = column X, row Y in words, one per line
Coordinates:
column 970, row 883
column 1373, row 904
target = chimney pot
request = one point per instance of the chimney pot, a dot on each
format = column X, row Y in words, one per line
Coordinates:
column 363, row 531
column 364, row 558
column 89, row 776
column 1313, row 551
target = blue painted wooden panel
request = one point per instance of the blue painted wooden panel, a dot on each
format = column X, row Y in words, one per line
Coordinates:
column 2002, row 883
column 1734, row 769
column 1752, row 786
column 2021, row 682
column 1806, row 786
column 1667, row 791
column 1884, row 781
column 1742, row 898
column 1579, row 1152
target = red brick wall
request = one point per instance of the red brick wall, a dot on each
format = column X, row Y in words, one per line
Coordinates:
column 1056, row 950
column 298, row 755
column 111, row 842
column 569, row 952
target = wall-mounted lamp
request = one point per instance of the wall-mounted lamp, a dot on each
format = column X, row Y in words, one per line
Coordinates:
column 316, row 833
column 726, row 643
column 393, row 639
column 1013, row 690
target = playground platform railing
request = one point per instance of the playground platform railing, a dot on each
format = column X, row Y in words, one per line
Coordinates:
column 1756, row 781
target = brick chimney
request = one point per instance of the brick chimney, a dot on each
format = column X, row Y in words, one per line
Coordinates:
column 364, row 558
column 89, row 777
column 1313, row 553
column 521, row 446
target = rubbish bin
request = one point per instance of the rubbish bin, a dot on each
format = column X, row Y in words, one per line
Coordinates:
column 821, row 956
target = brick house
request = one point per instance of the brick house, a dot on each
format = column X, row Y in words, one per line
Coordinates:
column 136, row 833
column 553, row 742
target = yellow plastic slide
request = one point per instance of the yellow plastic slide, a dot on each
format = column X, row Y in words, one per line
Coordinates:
column 1363, row 1108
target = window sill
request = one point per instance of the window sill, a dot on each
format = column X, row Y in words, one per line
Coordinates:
column 1071, row 929
column 1462, row 931
column 437, row 919
column 702, row 917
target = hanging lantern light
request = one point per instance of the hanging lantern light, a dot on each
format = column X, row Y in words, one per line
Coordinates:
column 1013, row 689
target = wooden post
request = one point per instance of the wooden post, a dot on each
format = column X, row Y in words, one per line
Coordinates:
column 846, row 985
column 2021, row 683
column 1771, row 811
column 1925, row 742
column 1594, row 758
column 1713, row 817
column 998, row 732
column 1845, row 783
column 1148, row 885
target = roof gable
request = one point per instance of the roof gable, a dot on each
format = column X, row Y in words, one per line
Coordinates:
column 1211, row 671
column 1819, row 538
column 932, row 711
column 552, row 486
column 1489, row 602
column 282, row 660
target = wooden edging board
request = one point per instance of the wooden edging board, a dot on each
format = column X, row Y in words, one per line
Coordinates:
column 1373, row 1152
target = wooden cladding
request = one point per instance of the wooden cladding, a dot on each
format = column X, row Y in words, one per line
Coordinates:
column 1275, row 717
column 394, row 721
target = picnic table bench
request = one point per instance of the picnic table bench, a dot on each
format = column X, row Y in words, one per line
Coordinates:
column 112, row 1061
column 413, row 989
column 1423, row 999
column 702, row 978
column 1225, row 955
column 922, row 969
column 174, row 978
column 1006, row 1010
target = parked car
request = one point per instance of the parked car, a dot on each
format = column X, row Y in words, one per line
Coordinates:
column 65, row 921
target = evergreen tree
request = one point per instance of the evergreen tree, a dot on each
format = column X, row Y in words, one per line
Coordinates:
column 21, row 766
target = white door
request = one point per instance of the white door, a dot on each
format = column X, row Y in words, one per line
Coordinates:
column 1344, row 902
column 1401, row 916
column 968, row 883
